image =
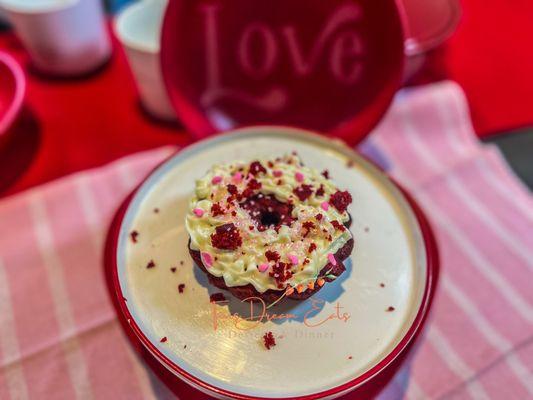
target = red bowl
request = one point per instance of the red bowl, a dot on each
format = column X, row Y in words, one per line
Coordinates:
column 12, row 91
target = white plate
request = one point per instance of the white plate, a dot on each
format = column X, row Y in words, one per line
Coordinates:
column 229, row 361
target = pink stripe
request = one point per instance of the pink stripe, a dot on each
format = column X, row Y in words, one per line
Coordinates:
column 431, row 373
column 487, row 299
column 33, row 306
column 510, row 266
column 89, row 300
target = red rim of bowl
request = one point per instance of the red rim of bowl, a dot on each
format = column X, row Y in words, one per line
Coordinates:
column 20, row 89
column 432, row 256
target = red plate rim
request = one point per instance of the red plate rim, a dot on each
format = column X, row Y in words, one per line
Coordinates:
column 433, row 268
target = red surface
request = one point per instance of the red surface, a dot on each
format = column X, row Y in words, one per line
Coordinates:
column 262, row 66
column 491, row 57
column 12, row 91
column 76, row 124
column 375, row 379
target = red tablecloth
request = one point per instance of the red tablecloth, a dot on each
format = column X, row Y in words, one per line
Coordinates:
column 88, row 122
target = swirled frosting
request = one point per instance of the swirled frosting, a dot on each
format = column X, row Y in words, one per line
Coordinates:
column 224, row 226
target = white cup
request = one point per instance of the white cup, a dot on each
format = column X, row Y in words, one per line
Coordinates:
column 138, row 28
column 63, row 37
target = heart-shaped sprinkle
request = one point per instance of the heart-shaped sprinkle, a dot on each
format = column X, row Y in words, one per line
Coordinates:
column 198, row 212
column 293, row 259
column 263, row 267
column 299, row 177
column 325, row 206
column 216, row 180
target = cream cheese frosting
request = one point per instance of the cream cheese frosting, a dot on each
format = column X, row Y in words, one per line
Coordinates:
column 306, row 244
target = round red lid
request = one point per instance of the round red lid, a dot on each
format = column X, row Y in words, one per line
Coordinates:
column 331, row 66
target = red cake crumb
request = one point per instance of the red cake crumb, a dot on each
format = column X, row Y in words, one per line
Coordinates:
column 270, row 164
column 350, row 357
column 226, row 237
column 279, row 182
column 217, row 298
column 340, row 200
column 390, row 309
column 312, row 247
column 163, row 339
column 254, row 184
column 382, row 284
column 367, row 229
column 325, row 174
column 232, row 189
column 134, row 235
column 173, row 269
column 281, row 272
column 256, row 167
column 182, row 262
column 319, row 217
column 320, row 192
column 338, row 226
column 156, row 210
column 217, row 210
column 181, row 287
column 308, row 226
column 303, row 192
column 272, row 255
column 268, row 340
column 350, row 163
column 151, row 264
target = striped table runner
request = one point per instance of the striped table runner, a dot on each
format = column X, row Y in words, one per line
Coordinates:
column 60, row 339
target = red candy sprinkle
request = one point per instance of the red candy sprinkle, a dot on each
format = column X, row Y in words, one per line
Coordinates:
column 268, row 340
column 303, row 192
column 226, row 237
column 217, row 298
column 217, row 210
column 256, row 168
column 181, row 287
column 272, row 255
column 340, row 200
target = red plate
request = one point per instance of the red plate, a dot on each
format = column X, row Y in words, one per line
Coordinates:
column 331, row 66
column 365, row 384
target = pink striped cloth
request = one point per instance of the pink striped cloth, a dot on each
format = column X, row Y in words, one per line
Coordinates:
column 60, row 338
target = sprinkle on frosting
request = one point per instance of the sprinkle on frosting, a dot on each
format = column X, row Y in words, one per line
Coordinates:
column 264, row 267
column 207, row 259
column 198, row 212
column 265, row 231
column 332, row 259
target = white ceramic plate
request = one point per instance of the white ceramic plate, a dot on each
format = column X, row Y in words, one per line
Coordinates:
column 317, row 353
